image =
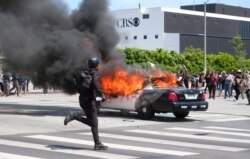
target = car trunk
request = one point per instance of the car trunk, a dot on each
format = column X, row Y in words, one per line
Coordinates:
column 188, row 94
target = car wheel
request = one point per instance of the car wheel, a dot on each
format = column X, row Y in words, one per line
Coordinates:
column 180, row 115
column 146, row 112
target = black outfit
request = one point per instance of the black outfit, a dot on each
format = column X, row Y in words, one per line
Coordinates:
column 237, row 87
column 248, row 95
column 87, row 102
column 207, row 78
column 1, row 86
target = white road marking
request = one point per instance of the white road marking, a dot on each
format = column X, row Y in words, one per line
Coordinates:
column 207, row 115
column 13, row 156
column 114, row 146
column 170, row 142
column 226, row 128
column 89, row 153
column 230, row 119
column 190, row 136
column 210, row 131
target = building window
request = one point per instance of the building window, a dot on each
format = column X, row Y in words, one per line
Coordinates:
column 126, row 37
column 145, row 37
column 145, row 16
column 156, row 36
column 135, row 37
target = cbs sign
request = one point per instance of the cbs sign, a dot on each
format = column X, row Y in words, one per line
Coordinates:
column 128, row 22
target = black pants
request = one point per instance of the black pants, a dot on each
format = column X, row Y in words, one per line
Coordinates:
column 248, row 95
column 91, row 118
column 212, row 89
column 1, row 87
column 237, row 91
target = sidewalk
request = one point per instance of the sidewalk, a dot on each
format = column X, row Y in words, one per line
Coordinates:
column 40, row 91
column 35, row 91
column 229, row 106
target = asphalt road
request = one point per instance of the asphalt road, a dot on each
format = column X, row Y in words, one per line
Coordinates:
column 32, row 128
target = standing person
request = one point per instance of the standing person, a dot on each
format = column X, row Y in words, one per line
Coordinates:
column 179, row 77
column 237, row 81
column 6, row 83
column 212, row 85
column 248, row 88
column 202, row 82
column 228, row 83
column 45, row 87
column 219, row 83
column 87, row 102
column 222, row 81
column 207, row 82
column 15, row 83
column 22, row 83
column 27, row 83
column 186, row 78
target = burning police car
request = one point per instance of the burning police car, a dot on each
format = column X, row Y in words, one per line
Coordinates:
column 161, row 95
column 179, row 101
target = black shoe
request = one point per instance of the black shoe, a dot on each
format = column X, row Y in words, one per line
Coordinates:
column 235, row 98
column 100, row 147
column 69, row 117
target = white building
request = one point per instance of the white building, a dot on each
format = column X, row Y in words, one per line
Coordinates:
column 141, row 28
column 175, row 29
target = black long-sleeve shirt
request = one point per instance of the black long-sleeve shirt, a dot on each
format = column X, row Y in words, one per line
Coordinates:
column 95, row 89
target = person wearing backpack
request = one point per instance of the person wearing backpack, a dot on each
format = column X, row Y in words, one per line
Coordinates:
column 87, row 100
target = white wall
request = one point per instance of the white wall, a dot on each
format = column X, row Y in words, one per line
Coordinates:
column 172, row 42
column 149, row 27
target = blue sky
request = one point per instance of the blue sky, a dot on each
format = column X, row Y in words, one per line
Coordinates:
column 126, row 4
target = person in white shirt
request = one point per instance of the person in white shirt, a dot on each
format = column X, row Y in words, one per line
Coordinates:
column 228, row 85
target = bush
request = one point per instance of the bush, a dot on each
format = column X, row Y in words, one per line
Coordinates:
column 191, row 57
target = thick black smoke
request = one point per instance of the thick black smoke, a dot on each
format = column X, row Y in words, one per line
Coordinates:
column 41, row 38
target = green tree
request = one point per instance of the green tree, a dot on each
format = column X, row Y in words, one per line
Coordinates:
column 193, row 59
column 222, row 62
column 240, row 52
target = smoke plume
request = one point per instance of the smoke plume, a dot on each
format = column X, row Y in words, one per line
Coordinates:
column 40, row 38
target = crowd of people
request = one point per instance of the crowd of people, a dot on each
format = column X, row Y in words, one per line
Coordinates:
column 228, row 84
column 13, row 83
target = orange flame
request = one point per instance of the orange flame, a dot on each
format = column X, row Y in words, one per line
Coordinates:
column 121, row 83
column 163, row 79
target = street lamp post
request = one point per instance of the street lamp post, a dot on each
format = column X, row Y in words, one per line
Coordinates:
column 205, row 36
